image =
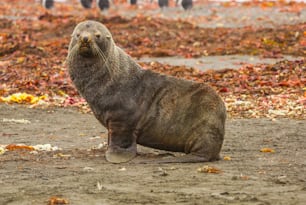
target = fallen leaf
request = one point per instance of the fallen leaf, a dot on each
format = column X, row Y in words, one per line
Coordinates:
column 267, row 4
column 227, row 158
column 303, row 42
column 12, row 147
column 56, row 200
column 22, row 98
column 223, row 90
column 20, row 60
column 267, row 150
column 244, row 177
column 208, row 169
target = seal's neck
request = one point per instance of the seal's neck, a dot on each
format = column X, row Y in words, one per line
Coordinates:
column 122, row 65
column 85, row 71
column 112, row 64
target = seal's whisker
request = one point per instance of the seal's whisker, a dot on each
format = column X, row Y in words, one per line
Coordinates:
column 72, row 54
column 99, row 53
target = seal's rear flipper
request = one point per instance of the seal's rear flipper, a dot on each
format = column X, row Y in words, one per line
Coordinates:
column 120, row 155
column 188, row 158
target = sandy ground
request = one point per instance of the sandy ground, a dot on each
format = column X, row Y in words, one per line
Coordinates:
column 80, row 174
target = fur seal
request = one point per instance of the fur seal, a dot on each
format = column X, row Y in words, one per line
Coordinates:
column 48, row 4
column 163, row 3
column 86, row 3
column 132, row 2
column 186, row 4
column 139, row 106
column 103, row 4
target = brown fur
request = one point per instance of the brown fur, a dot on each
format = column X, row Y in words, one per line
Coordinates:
column 140, row 106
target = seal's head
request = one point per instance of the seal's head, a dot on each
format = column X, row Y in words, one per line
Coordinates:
column 90, row 39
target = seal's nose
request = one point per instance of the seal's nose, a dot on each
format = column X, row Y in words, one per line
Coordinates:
column 85, row 39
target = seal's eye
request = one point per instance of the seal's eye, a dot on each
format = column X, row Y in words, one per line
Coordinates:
column 77, row 35
column 98, row 35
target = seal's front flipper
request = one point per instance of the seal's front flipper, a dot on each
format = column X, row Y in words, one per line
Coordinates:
column 122, row 145
column 120, row 155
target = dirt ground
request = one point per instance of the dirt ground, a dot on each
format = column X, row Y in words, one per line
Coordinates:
column 79, row 173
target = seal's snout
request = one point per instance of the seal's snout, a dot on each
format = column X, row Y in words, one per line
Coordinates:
column 85, row 42
column 85, row 38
